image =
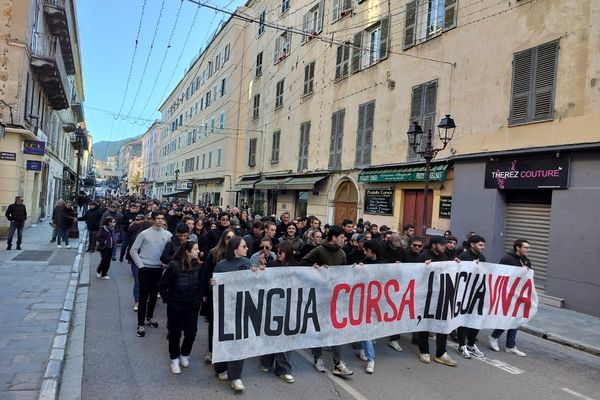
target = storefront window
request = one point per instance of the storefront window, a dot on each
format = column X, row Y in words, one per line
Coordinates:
column 301, row 204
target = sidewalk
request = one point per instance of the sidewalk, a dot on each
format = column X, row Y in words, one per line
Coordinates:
column 37, row 285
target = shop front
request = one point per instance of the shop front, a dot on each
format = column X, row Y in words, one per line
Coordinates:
column 548, row 199
column 208, row 191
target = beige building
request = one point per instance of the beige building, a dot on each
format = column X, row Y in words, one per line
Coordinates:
column 198, row 158
column 41, row 95
column 150, row 148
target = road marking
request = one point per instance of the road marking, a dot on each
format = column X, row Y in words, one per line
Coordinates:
column 574, row 393
column 497, row 363
column 338, row 381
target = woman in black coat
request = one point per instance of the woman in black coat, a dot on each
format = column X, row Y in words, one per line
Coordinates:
column 106, row 242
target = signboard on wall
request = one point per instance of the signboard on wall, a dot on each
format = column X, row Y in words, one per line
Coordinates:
column 379, row 202
column 34, row 147
column 445, row 207
column 33, row 165
column 541, row 173
column 7, row 156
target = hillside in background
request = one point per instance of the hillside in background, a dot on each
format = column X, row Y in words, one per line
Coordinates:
column 105, row 149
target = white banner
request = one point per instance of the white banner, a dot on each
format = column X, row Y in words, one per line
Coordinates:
column 288, row 308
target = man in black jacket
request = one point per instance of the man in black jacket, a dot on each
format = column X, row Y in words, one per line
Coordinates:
column 16, row 213
column 182, row 232
column 92, row 218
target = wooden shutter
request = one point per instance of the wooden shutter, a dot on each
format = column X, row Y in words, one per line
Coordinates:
column 251, row 154
column 346, row 59
column 306, row 145
column 410, row 24
column 275, row 149
column 356, row 52
column 358, row 159
column 429, row 111
column 416, row 113
column 368, row 133
column 336, row 9
column 305, row 22
column 338, row 62
column 384, row 38
column 276, row 52
column 347, row 5
column 321, row 15
column 332, row 140
column 339, row 138
column 545, row 79
column 521, row 85
column 450, row 14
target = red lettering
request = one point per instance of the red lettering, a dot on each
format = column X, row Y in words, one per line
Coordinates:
column 524, row 298
column 373, row 301
column 495, row 292
column 408, row 299
column 507, row 299
column 333, row 306
column 396, row 286
column 361, row 304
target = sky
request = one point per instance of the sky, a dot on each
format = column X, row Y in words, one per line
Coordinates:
column 121, row 97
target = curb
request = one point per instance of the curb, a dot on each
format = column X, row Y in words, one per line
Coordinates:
column 56, row 361
column 560, row 339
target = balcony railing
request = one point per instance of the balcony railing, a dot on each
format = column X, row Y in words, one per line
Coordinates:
column 58, row 25
column 48, row 61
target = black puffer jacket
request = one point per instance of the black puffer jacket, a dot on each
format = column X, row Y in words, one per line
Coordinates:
column 181, row 289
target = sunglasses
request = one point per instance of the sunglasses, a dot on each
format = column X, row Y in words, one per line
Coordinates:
column 417, row 245
column 265, row 248
column 224, row 219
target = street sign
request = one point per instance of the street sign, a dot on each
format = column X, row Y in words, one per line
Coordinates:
column 32, row 165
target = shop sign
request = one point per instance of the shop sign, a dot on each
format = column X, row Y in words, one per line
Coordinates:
column 34, row 147
column 6, row 156
column 379, row 202
column 445, row 207
column 33, row 165
column 542, row 173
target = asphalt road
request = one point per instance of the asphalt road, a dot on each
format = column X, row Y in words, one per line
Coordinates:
column 119, row 365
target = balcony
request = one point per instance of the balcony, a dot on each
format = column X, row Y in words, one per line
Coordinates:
column 58, row 25
column 47, row 61
column 68, row 121
column 77, row 107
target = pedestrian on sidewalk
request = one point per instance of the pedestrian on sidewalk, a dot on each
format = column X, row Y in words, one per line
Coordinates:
column 106, row 241
column 16, row 213
column 92, row 217
column 62, row 218
column 139, row 225
column 180, row 288
column 145, row 253
column 519, row 259
column 112, row 212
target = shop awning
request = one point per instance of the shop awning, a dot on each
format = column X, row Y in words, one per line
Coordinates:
column 403, row 174
column 178, row 193
column 304, row 182
column 276, row 183
column 246, row 184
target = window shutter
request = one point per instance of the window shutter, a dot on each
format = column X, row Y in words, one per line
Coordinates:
column 305, row 21
column 339, row 139
column 332, row 140
column 429, row 111
column 321, row 11
column 416, row 113
column 306, row 144
column 368, row 133
column 338, row 62
column 521, row 85
column 347, row 5
column 336, row 9
column 545, row 77
column 346, row 59
column 384, row 39
column 356, row 52
column 410, row 24
column 276, row 52
column 450, row 14
column 358, row 159
column 301, row 148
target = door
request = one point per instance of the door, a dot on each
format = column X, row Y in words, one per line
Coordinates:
column 346, row 202
column 413, row 208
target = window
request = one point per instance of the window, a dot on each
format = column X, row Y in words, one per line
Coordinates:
column 204, row 161
column 422, row 110
column 275, row 148
column 215, row 91
column 226, row 53
column 259, row 61
column 252, row 152
column 341, row 8
column 309, row 77
column 212, row 125
column 304, row 142
column 534, row 84
column 282, row 47
column 222, row 120
column 256, row 109
column 210, row 69
column 371, row 45
column 364, row 134
column 279, row 94
column 312, row 21
column 219, row 157
column 207, row 101
column 223, row 84
column 285, row 5
column 428, row 18
column 342, row 62
column 336, row 139
column 261, row 22
column 210, row 159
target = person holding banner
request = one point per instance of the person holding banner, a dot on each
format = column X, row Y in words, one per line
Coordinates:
column 517, row 258
column 325, row 255
column 283, row 368
column 436, row 252
column 235, row 260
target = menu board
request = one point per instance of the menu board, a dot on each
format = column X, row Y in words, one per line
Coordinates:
column 445, row 207
column 379, row 202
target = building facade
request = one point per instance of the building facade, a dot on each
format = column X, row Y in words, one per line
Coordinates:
column 41, row 98
column 150, row 148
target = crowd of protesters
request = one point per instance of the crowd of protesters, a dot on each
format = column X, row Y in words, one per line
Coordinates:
column 174, row 249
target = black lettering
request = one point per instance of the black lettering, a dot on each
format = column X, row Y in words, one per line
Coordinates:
column 426, row 314
column 310, row 312
column 464, row 304
column 223, row 337
column 239, row 300
column 288, row 311
column 479, row 298
column 253, row 312
column 277, row 319
column 440, row 299
column 448, row 297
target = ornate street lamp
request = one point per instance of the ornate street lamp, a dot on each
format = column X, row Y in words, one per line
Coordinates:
column 446, row 129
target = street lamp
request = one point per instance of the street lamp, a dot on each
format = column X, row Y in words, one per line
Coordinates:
column 446, row 129
column 79, row 137
column 177, row 171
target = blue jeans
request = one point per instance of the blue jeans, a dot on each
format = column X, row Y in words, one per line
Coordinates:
column 367, row 346
column 62, row 233
column 18, row 227
column 511, row 337
column 136, row 281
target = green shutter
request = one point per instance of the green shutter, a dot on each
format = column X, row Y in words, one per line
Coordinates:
column 339, row 138
column 521, row 86
column 332, row 140
column 384, row 38
column 410, row 24
column 338, row 62
column 368, row 133
column 360, row 128
column 356, row 52
column 545, row 80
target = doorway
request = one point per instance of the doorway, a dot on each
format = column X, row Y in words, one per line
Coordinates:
column 345, row 203
column 413, row 208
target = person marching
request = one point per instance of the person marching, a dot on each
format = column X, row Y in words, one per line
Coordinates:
column 180, row 288
column 16, row 213
column 106, row 241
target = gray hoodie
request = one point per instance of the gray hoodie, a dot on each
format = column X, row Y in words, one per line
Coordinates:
column 148, row 247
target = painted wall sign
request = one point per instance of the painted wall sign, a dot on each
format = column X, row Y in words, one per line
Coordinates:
column 379, row 202
column 34, row 147
column 542, row 173
column 7, row 156
column 33, row 165
column 445, row 207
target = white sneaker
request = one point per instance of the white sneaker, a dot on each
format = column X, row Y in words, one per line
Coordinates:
column 184, row 361
column 446, row 360
column 287, row 378
column 223, row 376
column 494, row 344
column 475, row 352
column 67, row 246
column 58, row 246
column 237, row 385
column 135, row 307
column 342, row 370
column 208, row 358
column 319, row 366
column 463, row 352
column 175, row 366
column 106, row 277
column 395, row 345
column 360, row 353
column 370, row 367
column 98, row 275
column 425, row 358
column 515, row 351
